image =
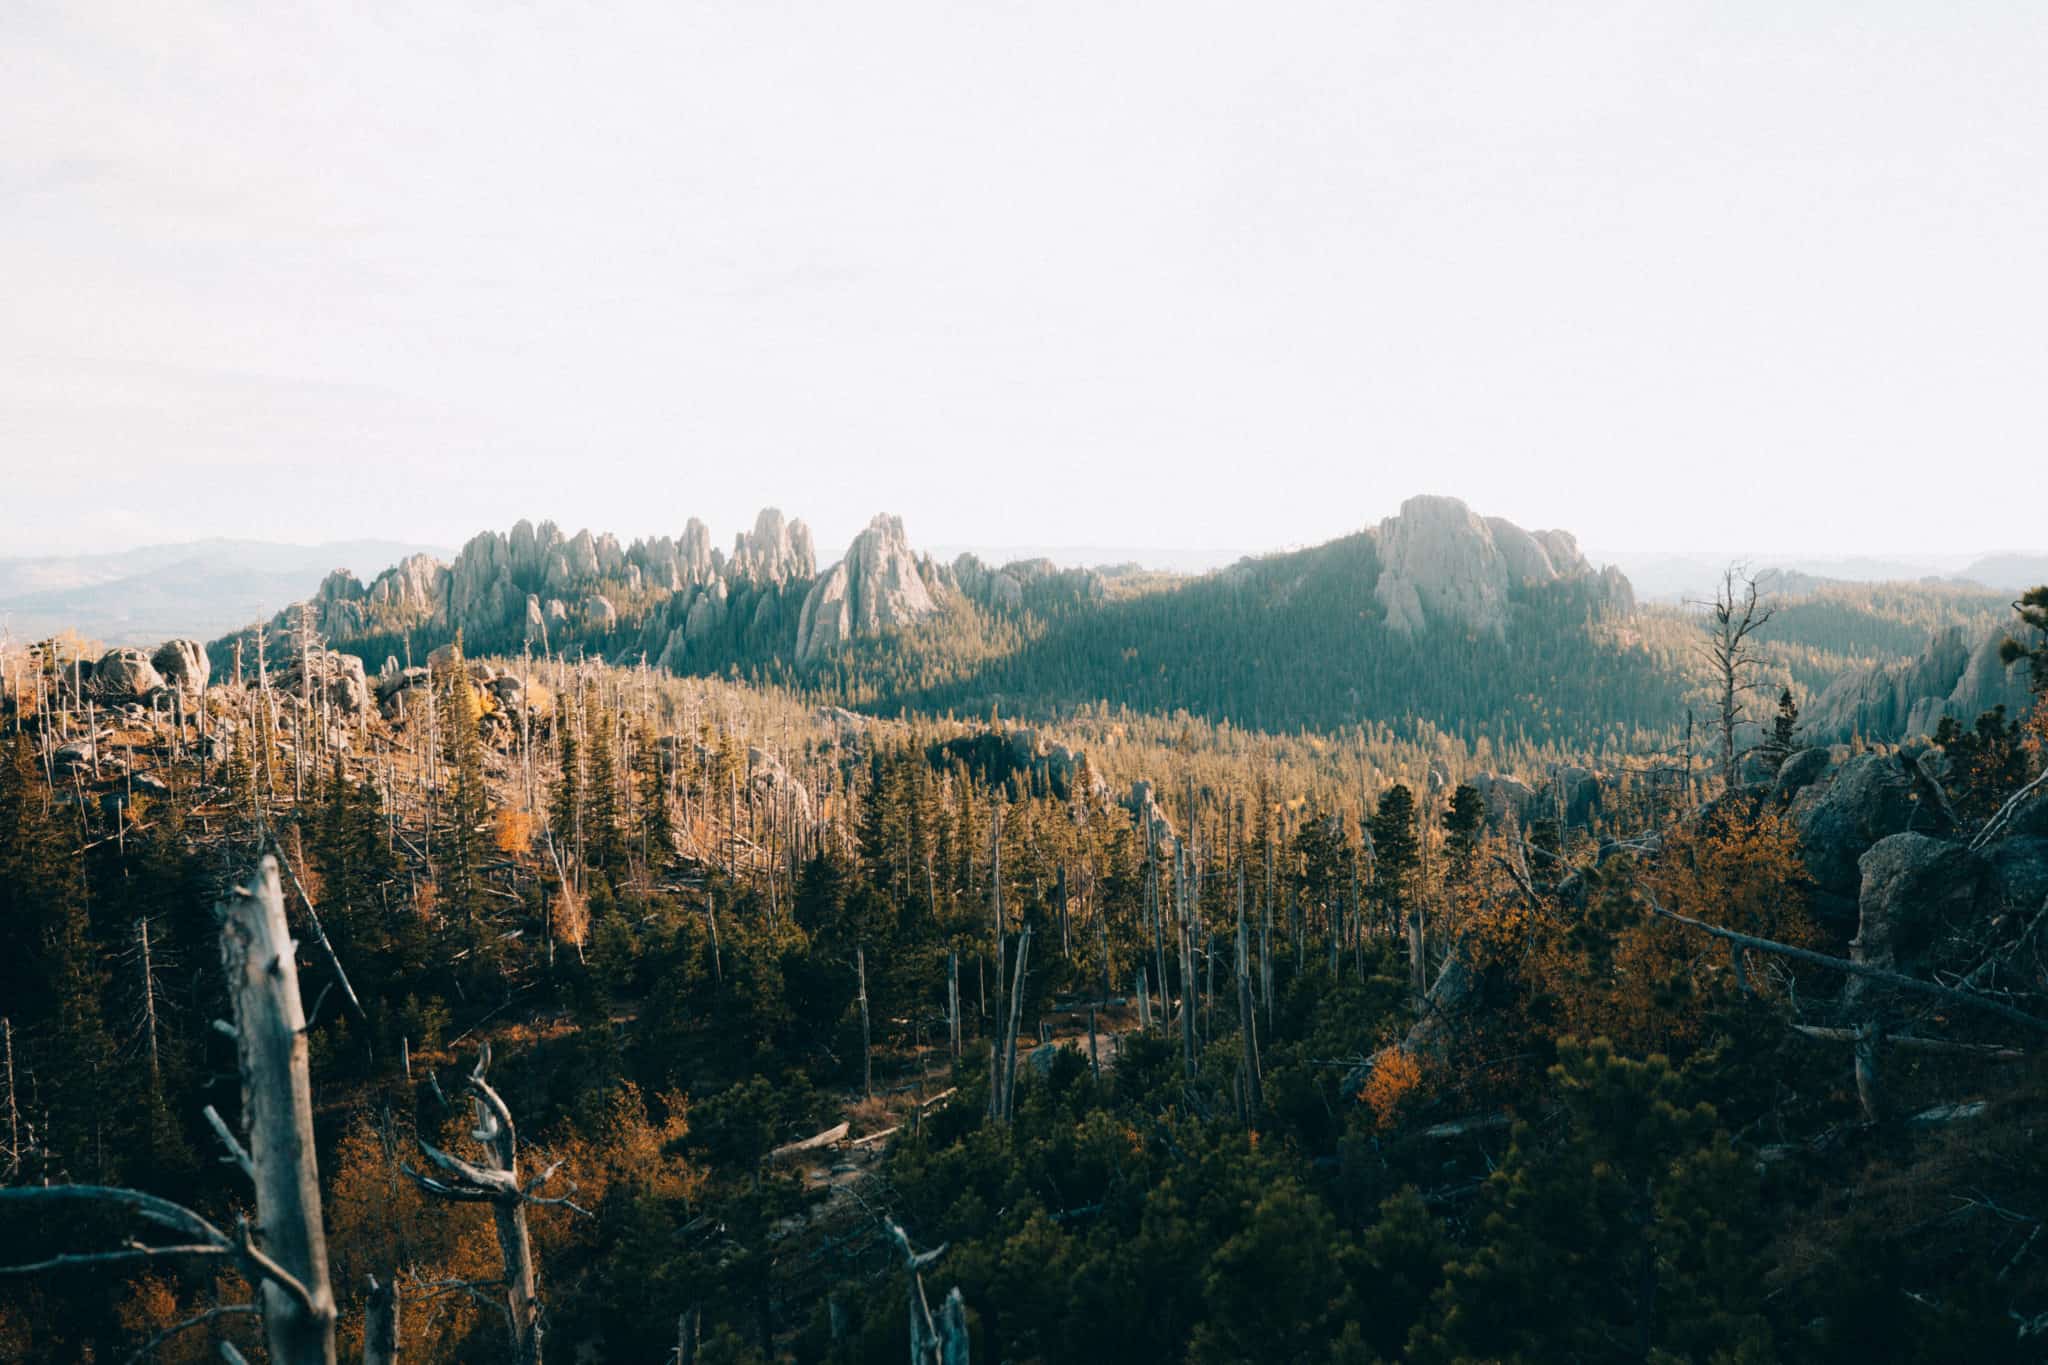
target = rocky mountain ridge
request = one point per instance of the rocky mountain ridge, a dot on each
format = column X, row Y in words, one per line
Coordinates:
column 681, row 600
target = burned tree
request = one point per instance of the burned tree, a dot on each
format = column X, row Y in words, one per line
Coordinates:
column 1737, row 612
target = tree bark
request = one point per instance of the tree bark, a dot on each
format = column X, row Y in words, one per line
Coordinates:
column 263, row 983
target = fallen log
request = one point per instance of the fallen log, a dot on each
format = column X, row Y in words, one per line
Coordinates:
column 836, row 1133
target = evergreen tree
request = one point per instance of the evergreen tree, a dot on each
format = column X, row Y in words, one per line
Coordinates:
column 1783, row 740
column 2033, row 609
column 565, row 808
column 462, row 847
column 604, row 848
column 1463, row 823
column 1396, row 851
column 53, row 968
column 657, row 821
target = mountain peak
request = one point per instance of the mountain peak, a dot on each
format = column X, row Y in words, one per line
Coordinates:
column 1441, row 561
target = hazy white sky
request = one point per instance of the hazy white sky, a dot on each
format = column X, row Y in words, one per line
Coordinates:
column 1170, row 274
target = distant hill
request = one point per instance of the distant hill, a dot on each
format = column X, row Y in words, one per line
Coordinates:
column 2008, row 572
column 198, row 589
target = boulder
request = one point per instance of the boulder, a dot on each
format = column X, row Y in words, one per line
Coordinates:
column 1912, row 886
column 2015, row 877
column 1152, row 818
column 1870, row 797
column 183, row 664
column 707, row 612
column 769, row 779
column 77, row 754
column 599, row 614
column 1757, row 767
column 536, row 624
column 1579, row 796
column 125, row 675
column 336, row 678
column 390, row 684
column 1507, row 798
column 1799, row 772
column 512, row 694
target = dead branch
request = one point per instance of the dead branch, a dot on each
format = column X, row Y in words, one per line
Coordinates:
column 1903, row 982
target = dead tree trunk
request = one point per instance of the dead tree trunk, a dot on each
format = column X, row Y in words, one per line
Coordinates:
column 277, row 1112
column 953, row 1002
column 1248, row 1019
column 1005, row 1079
column 1736, row 613
column 497, row 1185
column 939, row 1339
column 380, row 1324
column 867, row 1046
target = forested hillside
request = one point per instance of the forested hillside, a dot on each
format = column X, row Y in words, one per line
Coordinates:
column 650, row 1017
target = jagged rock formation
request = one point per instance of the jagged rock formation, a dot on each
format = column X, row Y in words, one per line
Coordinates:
column 877, row 585
column 1440, row 562
column 1955, row 676
column 777, row 551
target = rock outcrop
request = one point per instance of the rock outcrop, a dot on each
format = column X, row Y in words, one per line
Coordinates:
column 1441, row 563
column 1912, row 885
column 1863, row 800
column 1956, row 675
column 328, row 675
column 183, row 664
column 770, row 784
column 1038, row 582
column 123, row 675
column 876, row 586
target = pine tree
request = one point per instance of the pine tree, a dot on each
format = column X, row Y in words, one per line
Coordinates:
column 565, row 809
column 604, row 848
column 657, row 822
column 2033, row 609
column 52, row 965
column 1396, row 853
column 1783, row 740
column 1462, row 825
column 467, row 802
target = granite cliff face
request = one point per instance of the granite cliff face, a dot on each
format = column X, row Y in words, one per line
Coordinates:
column 1442, row 563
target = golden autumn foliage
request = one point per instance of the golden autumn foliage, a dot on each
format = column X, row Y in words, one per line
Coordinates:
column 572, row 918
column 512, row 831
column 149, row 1305
column 1612, row 968
column 379, row 1223
column 1395, row 1076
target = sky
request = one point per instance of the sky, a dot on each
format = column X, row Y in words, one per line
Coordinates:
column 1178, row 274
